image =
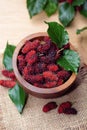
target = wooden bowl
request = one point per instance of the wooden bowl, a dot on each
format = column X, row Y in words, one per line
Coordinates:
column 36, row 91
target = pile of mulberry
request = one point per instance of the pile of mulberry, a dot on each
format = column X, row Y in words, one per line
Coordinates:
column 37, row 63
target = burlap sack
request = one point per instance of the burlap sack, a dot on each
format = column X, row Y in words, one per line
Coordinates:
column 33, row 118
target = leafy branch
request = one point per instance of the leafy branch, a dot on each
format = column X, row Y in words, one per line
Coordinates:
column 70, row 59
column 66, row 8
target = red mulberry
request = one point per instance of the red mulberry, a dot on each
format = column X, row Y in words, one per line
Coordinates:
column 20, row 57
column 27, row 47
column 63, row 106
column 9, row 74
column 50, row 84
column 31, row 57
column 30, row 54
column 30, row 46
column 49, row 106
column 25, row 71
column 7, row 83
column 46, row 38
column 52, row 67
column 50, row 76
column 32, row 60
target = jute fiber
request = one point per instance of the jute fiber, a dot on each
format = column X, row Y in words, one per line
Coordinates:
column 33, row 118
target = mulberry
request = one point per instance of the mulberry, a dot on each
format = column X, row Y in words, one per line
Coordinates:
column 60, row 82
column 50, row 84
column 52, row 67
column 63, row 74
column 7, row 83
column 30, row 46
column 35, row 78
column 9, row 74
column 50, row 76
column 70, row 111
column 49, row 106
column 31, row 57
column 63, row 106
column 42, row 48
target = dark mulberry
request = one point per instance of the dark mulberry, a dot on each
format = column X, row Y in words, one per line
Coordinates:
column 42, row 48
column 62, row 1
column 35, row 78
column 21, row 63
column 67, row 46
column 39, row 67
column 70, row 111
column 60, row 82
column 63, row 74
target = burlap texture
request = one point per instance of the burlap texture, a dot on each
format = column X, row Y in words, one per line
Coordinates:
column 33, row 118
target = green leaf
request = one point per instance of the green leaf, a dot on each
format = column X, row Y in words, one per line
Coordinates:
column 66, row 13
column 7, row 58
column 78, row 2
column 18, row 97
column 84, row 9
column 69, row 61
column 51, row 7
column 57, row 33
column 81, row 30
column 35, row 6
column 17, row 94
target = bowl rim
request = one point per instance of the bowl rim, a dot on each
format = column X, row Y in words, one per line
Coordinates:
column 29, row 86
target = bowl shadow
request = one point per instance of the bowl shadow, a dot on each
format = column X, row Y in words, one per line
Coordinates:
column 79, row 80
